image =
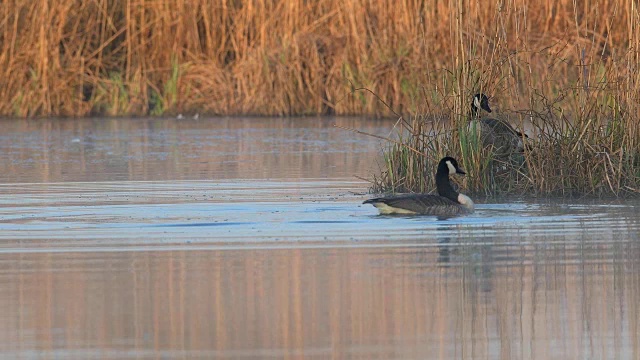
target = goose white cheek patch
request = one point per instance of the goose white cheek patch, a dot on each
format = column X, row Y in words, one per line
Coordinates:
column 476, row 102
column 452, row 169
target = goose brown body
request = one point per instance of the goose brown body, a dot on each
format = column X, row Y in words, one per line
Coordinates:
column 493, row 132
column 418, row 204
column 448, row 202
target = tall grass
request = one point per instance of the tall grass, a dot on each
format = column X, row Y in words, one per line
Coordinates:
column 562, row 75
column 65, row 57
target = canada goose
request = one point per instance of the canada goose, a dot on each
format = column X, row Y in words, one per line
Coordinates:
column 493, row 132
column 447, row 203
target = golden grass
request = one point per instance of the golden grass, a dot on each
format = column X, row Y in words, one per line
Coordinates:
column 63, row 57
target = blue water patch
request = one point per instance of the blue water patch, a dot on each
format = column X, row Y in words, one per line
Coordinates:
column 203, row 224
column 322, row 222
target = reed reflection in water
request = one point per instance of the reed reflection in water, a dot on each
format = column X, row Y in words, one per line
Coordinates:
column 335, row 302
column 168, row 149
column 247, row 238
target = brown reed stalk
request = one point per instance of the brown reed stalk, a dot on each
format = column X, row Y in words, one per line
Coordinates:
column 64, row 57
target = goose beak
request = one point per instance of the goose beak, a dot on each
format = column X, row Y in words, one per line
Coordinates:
column 484, row 104
column 460, row 171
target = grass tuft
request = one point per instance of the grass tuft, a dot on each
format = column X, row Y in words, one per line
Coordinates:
column 583, row 141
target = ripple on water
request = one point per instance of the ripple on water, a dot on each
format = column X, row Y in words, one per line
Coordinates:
column 283, row 213
column 294, row 266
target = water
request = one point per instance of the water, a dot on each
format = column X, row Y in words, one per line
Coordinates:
column 246, row 238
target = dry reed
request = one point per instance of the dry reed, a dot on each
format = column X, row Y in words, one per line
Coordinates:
column 63, row 57
column 577, row 94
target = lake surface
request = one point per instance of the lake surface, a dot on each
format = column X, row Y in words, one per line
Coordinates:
column 234, row 238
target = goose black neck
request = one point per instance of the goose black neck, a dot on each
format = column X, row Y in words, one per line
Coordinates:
column 443, row 185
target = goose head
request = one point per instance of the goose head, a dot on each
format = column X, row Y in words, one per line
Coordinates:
column 480, row 101
column 449, row 166
column 446, row 167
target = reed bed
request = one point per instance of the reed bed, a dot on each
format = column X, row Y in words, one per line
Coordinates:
column 294, row 57
column 593, row 152
column 577, row 96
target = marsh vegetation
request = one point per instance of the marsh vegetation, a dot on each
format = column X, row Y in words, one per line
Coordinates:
column 574, row 90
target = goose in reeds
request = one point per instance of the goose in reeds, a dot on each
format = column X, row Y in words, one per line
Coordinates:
column 447, row 203
column 493, row 132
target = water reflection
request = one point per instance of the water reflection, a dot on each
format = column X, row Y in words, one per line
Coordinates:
column 249, row 240
column 168, row 149
column 361, row 303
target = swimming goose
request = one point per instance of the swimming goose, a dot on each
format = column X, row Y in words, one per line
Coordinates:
column 447, row 203
column 493, row 132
